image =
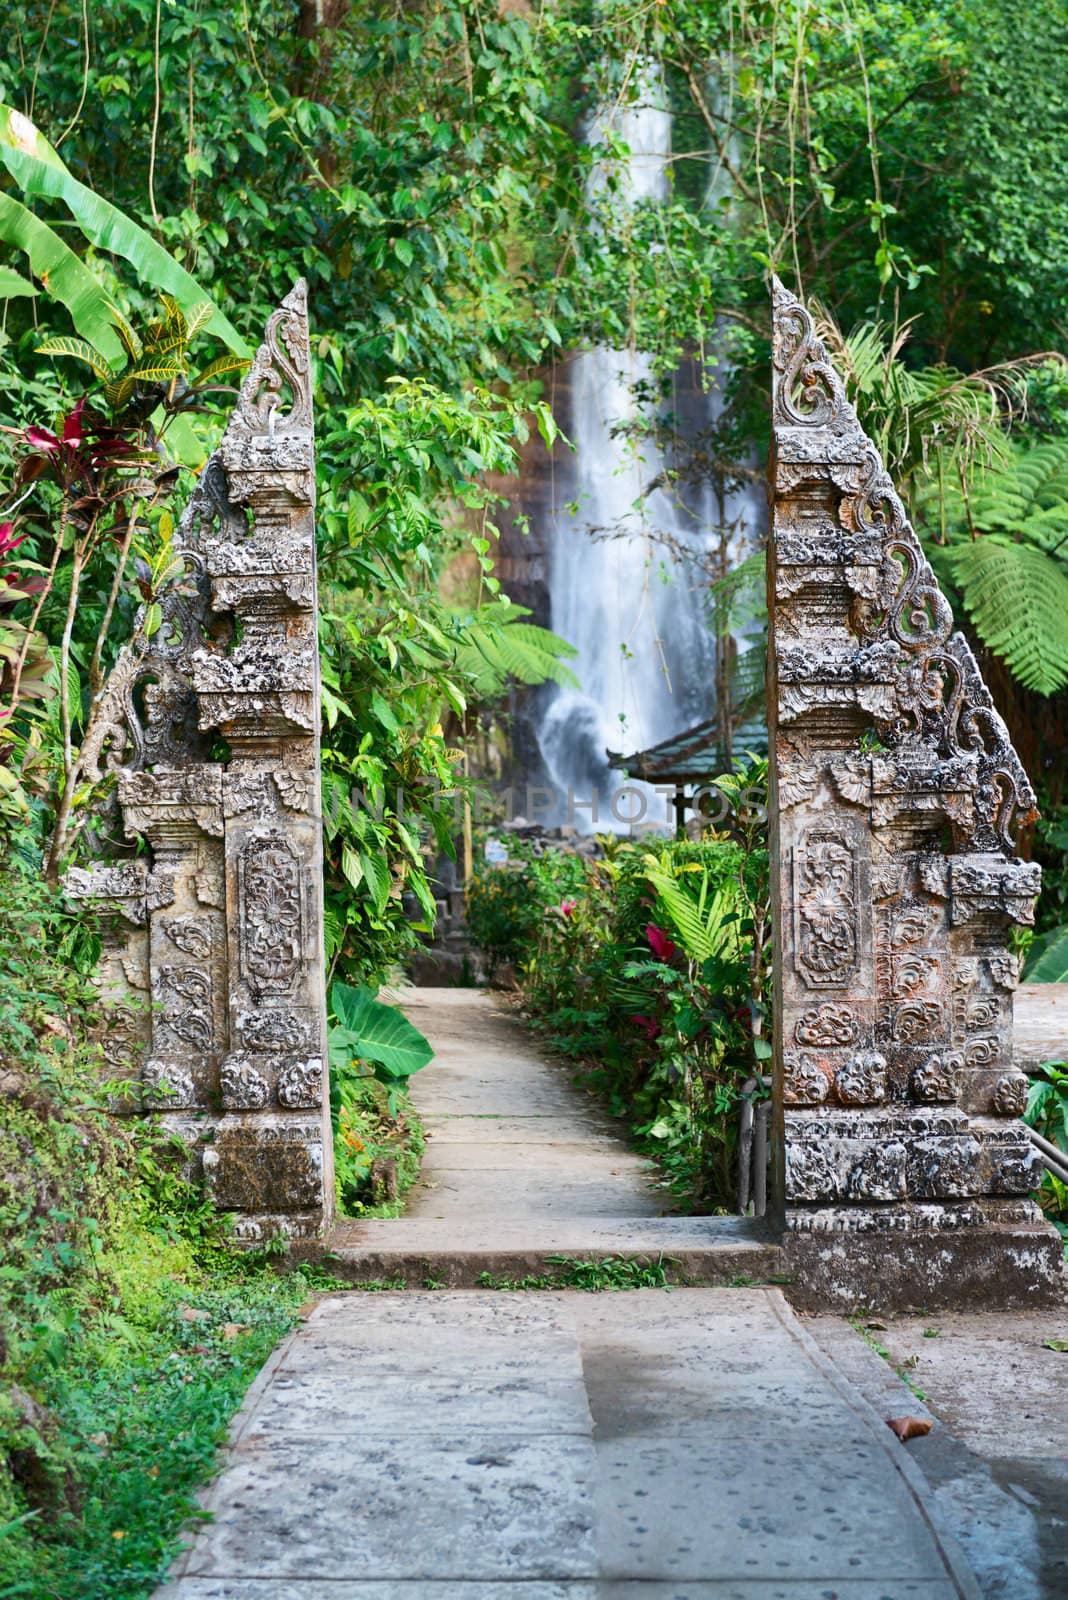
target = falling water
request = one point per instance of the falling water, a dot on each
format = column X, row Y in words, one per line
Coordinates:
column 646, row 656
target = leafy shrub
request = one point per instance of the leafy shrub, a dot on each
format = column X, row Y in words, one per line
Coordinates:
column 378, row 1139
column 1047, row 1113
column 127, row 1331
column 507, row 905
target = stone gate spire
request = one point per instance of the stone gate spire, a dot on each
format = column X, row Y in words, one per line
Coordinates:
column 213, row 942
column 902, row 1169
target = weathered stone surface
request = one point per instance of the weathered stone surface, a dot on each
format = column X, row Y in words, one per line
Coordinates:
column 213, row 948
column 894, row 792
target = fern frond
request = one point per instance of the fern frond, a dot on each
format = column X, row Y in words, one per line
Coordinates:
column 1017, row 599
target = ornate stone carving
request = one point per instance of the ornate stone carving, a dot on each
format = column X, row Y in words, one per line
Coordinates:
column 191, row 934
column 879, row 1175
column 300, row 1084
column 862, row 1081
column 937, row 1080
column 917, row 1021
column 803, row 1082
column 270, row 914
column 243, row 1087
column 825, row 909
column 274, row 1030
column 1009, row 1098
column 826, row 1025
column 222, row 922
column 185, row 1000
column 895, row 793
column 168, row 1086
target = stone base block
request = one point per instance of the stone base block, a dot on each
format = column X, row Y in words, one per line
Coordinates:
column 995, row 1267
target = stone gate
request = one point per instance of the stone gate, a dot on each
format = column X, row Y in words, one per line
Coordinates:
column 901, row 1166
column 213, row 955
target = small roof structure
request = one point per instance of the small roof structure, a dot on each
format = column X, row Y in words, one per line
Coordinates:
column 691, row 757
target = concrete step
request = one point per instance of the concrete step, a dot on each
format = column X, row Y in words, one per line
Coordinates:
column 456, row 1252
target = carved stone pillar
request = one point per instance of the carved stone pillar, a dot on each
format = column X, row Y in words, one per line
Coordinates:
column 902, row 1172
column 232, row 896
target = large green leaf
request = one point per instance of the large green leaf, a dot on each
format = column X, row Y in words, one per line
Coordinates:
column 66, row 278
column 1047, row 959
column 377, row 1032
column 13, row 284
column 38, row 171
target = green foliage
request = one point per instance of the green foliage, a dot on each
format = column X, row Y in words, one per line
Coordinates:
column 39, row 172
column 129, row 1332
column 593, row 1276
column 1003, row 544
column 498, row 646
column 506, row 906
column 378, row 1145
column 378, row 1138
column 1047, row 957
column 1047, row 1113
column 368, row 1030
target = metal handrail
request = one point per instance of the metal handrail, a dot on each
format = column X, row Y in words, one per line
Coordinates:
column 1053, row 1160
column 753, row 1148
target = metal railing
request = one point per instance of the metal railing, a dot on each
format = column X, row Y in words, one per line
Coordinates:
column 753, row 1149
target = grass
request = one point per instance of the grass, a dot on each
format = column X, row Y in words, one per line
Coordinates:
column 901, row 1368
column 142, row 1402
column 611, row 1272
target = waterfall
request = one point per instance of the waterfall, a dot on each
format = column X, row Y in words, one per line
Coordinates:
column 646, row 657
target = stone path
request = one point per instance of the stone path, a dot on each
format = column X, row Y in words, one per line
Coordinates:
column 520, row 1166
column 684, row 1445
column 509, row 1138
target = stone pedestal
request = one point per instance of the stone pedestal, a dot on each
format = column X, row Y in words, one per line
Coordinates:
column 219, row 933
column 900, row 1162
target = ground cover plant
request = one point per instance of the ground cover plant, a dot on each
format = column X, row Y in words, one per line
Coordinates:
column 128, row 1329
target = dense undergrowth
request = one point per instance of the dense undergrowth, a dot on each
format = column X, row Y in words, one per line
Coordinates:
column 647, row 967
column 128, row 1331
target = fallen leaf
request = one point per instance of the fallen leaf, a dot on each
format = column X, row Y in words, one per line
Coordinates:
column 1055, row 1344
column 909, row 1427
column 201, row 1349
column 191, row 1314
column 233, row 1330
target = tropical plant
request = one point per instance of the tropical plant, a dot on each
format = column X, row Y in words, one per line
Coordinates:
column 40, row 173
column 378, row 1139
column 1047, row 1113
column 92, row 496
column 1003, row 543
column 365, row 1029
column 506, row 905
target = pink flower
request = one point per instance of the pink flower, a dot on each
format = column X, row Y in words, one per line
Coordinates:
column 659, row 943
column 649, row 1027
column 567, row 908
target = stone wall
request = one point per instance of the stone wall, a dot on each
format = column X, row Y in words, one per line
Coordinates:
column 213, row 938
column 900, row 1159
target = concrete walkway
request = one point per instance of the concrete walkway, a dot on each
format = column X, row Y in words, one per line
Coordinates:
column 508, row 1135
column 520, row 1166
column 685, row 1445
